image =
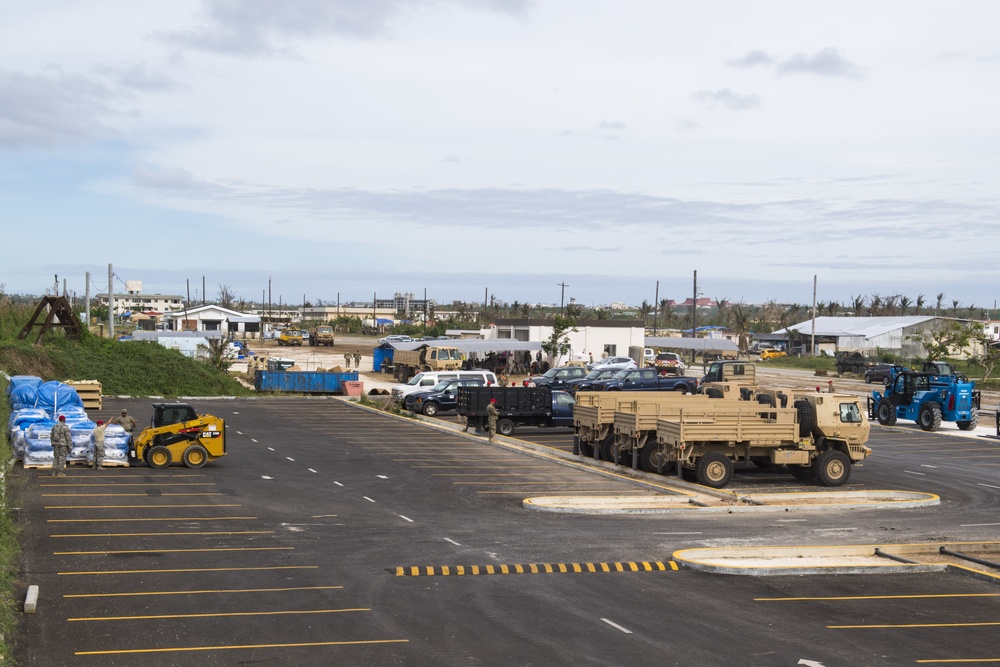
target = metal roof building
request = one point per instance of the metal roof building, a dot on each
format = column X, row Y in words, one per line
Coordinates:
column 900, row 335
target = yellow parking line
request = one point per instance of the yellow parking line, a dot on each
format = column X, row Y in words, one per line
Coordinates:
column 955, row 661
column 364, row 642
column 204, row 532
column 218, row 614
column 108, row 507
column 897, row 626
column 168, row 551
column 202, row 592
column 194, row 569
column 154, row 518
column 881, row 597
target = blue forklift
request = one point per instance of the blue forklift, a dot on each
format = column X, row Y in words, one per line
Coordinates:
column 927, row 398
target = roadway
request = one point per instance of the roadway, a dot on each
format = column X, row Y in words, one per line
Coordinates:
column 333, row 534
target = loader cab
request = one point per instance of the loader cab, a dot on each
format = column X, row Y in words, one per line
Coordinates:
column 165, row 414
column 906, row 385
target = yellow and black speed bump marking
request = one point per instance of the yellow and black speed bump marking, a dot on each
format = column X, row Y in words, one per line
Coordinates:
column 531, row 568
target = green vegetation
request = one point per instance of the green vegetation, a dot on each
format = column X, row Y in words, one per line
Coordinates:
column 9, row 549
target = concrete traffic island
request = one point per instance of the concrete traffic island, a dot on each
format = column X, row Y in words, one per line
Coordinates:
column 978, row 559
column 732, row 503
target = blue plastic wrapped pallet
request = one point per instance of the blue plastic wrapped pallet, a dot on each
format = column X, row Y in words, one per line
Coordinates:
column 302, row 382
column 115, row 446
column 54, row 396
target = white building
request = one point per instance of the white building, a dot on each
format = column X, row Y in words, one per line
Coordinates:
column 215, row 318
column 136, row 302
column 901, row 335
column 591, row 336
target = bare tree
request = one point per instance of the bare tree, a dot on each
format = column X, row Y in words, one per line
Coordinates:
column 227, row 296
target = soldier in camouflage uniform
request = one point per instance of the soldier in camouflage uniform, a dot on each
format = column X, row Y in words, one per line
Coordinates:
column 491, row 418
column 357, row 360
column 61, row 440
column 347, row 359
column 99, row 445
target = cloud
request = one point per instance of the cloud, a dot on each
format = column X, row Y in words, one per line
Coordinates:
column 751, row 59
column 168, row 179
column 265, row 27
column 613, row 125
column 727, row 99
column 828, row 62
column 51, row 108
column 139, row 77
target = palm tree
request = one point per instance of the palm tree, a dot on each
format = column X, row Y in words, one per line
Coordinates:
column 644, row 310
column 526, row 311
column 601, row 314
column 739, row 321
column 859, row 304
column 940, row 300
column 920, row 303
column 904, row 304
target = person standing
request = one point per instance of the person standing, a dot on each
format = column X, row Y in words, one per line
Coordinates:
column 492, row 414
column 502, row 380
column 125, row 421
column 99, row 445
column 61, row 439
column 357, row 360
column 347, row 360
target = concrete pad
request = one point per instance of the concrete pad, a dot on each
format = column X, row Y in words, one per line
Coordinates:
column 840, row 559
column 31, row 600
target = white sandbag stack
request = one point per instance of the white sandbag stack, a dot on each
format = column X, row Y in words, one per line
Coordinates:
column 37, row 447
column 17, row 426
column 82, row 434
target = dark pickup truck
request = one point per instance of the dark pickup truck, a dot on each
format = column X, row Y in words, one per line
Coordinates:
column 643, row 379
column 518, row 406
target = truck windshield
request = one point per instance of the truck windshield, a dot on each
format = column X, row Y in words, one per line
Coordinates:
column 621, row 375
column 415, row 380
column 551, row 373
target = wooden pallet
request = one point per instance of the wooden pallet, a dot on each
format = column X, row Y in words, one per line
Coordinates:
column 89, row 392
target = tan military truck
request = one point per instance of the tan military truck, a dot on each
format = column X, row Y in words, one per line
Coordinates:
column 407, row 363
column 322, row 335
column 729, row 379
column 820, row 437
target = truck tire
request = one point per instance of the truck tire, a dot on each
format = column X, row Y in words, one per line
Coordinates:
column 505, row 427
column 802, row 473
column 929, row 417
column 885, row 412
column 607, row 448
column 840, row 370
column 807, row 417
column 431, row 408
column 972, row 423
column 713, row 392
column 714, row 470
column 158, row 457
column 195, row 456
column 868, row 379
column 765, row 399
column 586, row 449
column 649, row 456
column 833, row 468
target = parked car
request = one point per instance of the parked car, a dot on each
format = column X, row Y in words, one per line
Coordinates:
column 880, row 373
column 396, row 338
column 669, row 362
column 618, row 363
column 772, row 354
column 443, row 397
column 581, row 384
column 556, row 378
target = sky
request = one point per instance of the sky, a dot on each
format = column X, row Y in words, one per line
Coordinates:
column 336, row 147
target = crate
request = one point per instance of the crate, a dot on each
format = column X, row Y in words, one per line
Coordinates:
column 89, row 392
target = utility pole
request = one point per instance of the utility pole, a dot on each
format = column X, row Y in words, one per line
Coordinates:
column 111, row 303
column 694, row 315
column 562, row 299
column 812, row 343
column 656, row 306
column 87, row 304
column 486, row 302
column 204, row 294
column 187, row 304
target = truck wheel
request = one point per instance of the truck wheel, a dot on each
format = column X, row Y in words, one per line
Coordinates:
column 649, row 456
column 807, row 417
column 505, row 427
column 833, row 468
column 765, row 399
column 430, row 409
column 802, row 473
column 840, row 370
column 158, row 457
column 868, row 379
column 195, row 456
column 713, row 392
column 972, row 423
column 714, row 470
column 586, row 449
column 930, row 417
column 607, row 451
column 885, row 412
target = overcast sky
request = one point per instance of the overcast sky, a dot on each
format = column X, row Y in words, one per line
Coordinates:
column 339, row 146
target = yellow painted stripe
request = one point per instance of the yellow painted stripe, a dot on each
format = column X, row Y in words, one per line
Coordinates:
column 195, row 569
column 156, row 518
column 955, row 661
column 365, row 642
column 531, row 568
column 913, row 625
column 881, row 597
column 203, row 532
column 218, row 614
column 202, row 592
column 168, row 551
column 109, row 507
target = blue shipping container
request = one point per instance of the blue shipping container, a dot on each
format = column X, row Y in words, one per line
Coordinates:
column 302, row 382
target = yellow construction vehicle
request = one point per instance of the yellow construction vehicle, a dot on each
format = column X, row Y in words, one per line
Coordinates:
column 178, row 434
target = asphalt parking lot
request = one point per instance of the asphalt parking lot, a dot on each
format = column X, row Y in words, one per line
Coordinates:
column 331, row 534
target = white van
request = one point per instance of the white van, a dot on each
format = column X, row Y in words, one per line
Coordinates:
column 427, row 379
